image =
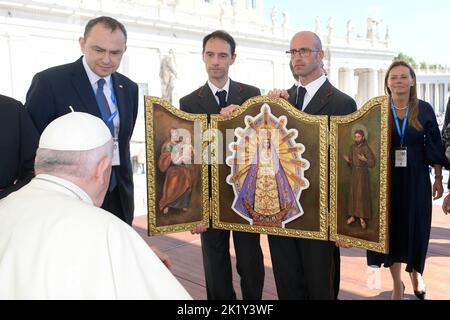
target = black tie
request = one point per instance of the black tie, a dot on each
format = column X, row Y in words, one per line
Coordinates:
column 301, row 91
column 106, row 114
column 222, row 95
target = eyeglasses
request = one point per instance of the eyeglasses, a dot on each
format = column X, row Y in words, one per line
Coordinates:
column 304, row 52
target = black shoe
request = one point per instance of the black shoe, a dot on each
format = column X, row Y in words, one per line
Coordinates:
column 420, row 294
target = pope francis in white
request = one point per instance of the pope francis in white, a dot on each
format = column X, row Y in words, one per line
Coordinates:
column 56, row 243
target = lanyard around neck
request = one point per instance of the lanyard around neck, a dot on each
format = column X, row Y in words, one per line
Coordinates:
column 108, row 120
column 401, row 132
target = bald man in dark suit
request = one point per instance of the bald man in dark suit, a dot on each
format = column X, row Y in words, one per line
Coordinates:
column 307, row 268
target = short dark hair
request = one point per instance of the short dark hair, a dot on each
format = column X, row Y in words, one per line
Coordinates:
column 221, row 35
column 108, row 22
column 360, row 132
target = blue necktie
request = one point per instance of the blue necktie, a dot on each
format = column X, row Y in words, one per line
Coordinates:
column 300, row 97
column 106, row 114
column 103, row 105
column 222, row 95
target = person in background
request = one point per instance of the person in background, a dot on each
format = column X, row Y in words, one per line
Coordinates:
column 446, row 204
column 416, row 145
column 18, row 143
column 446, row 135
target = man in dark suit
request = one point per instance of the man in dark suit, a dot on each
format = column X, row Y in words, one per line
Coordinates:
column 445, row 135
column 222, row 95
column 306, row 268
column 91, row 84
column 18, row 143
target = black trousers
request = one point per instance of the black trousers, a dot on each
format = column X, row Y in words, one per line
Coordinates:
column 217, row 264
column 113, row 204
column 304, row 269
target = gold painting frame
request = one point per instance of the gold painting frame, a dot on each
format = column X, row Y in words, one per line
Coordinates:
column 157, row 109
column 375, row 236
column 318, row 225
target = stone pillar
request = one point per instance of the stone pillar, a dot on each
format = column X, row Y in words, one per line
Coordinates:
column 347, row 82
column 333, row 76
column 427, row 92
column 432, row 95
column 282, row 75
column 381, row 76
column 363, row 84
column 437, row 100
column 423, row 91
column 442, row 100
column 342, row 79
column 445, row 92
column 418, row 85
column 352, row 88
column 373, row 83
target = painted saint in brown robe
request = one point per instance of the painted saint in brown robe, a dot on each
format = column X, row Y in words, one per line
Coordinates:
column 360, row 158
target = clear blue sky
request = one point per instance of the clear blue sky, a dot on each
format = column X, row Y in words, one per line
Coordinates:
column 418, row 28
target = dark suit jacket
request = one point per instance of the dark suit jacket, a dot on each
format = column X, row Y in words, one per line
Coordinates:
column 327, row 101
column 215, row 243
column 446, row 122
column 202, row 100
column 18, row 143
column 447, row 115
column 51, row 93
column 331, row 102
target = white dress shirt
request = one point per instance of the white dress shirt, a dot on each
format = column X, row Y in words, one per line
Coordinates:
column 311, row 89
column 108, row 90
column 214, row 89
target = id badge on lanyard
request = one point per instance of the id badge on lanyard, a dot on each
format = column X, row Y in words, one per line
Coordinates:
column 401, row 154
column 108, row 122
column 116, row 151
column 401, row 157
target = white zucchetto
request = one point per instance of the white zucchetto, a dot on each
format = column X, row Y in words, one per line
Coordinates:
column 75, row 131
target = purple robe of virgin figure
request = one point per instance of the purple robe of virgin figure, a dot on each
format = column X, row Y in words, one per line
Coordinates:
column 286, row 196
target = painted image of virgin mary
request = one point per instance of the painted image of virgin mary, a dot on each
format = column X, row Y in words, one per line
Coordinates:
column 176, row 161
column 266, row 195
column 267, row 170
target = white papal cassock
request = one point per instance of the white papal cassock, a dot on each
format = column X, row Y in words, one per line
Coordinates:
column 55, row 244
